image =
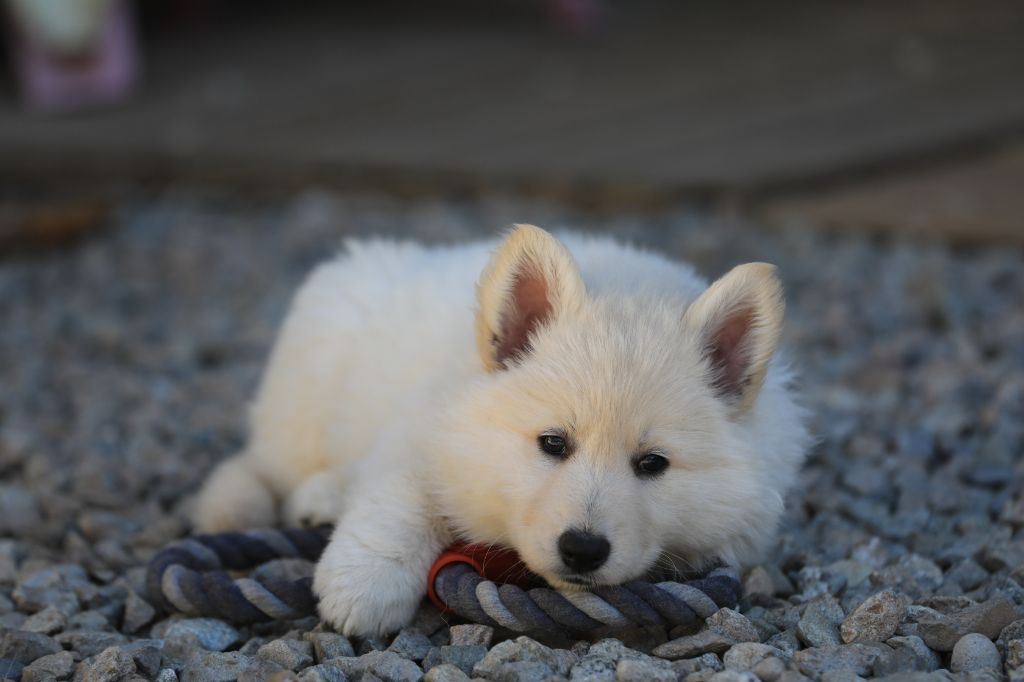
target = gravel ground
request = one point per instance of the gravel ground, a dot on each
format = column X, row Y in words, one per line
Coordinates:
column 127, row 361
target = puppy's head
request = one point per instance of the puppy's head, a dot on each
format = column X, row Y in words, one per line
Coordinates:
column 610, row 433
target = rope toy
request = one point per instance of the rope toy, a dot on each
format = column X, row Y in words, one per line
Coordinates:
column 191, row 576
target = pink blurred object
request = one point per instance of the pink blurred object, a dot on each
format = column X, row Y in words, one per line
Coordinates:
column 578, row 17
column 98, row 74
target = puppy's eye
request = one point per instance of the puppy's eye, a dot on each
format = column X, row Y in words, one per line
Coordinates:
column 553, row 444
column 650, row 464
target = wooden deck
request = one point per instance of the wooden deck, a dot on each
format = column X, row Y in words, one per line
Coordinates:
column 675, row 96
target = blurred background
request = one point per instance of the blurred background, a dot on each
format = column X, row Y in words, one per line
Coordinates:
column 879, row 115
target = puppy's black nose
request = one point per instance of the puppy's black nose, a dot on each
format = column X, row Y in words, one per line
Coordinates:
column 583, row 552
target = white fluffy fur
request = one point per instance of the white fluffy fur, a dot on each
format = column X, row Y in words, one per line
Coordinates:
column 382, row 411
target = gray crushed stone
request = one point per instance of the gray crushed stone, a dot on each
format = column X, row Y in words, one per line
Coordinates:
column 446, row 672
column 819, row 625
column 109, row 666
column 462, row 656
column 471, row 634
column 290, row 654
column 127, row 362
column 876, row 619
column 211, row 634
column 57, row 666
column 411, row 644
column 328, row 645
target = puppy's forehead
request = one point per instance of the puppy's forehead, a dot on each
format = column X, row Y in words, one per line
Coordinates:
column 628, row 345
column 619, row 374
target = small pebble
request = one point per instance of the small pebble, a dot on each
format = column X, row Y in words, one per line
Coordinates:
column 445, row 673
column 411, row 644
column 973, row 653
column 328, row 645
column 644, row 670
column 24, row 646
column 524, row 649
column 216, row 666
column 290, row 654
column 472, row 634
column 48, row 621
column 11, row 669
column 941, row 632
column 57, row 666
column 462, row 656
column 876, row 619
column 914, row 653
column 747, row 655
column 138, row 613
column 212, row 634
column 110, row 665
column 1015, row 654
column 819, row 626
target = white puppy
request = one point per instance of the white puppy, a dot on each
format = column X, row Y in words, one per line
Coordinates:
column 609, row 415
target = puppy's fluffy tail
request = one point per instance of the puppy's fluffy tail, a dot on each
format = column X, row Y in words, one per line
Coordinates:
column 234, row 497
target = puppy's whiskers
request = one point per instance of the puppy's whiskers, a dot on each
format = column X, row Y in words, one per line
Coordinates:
column 677, row 565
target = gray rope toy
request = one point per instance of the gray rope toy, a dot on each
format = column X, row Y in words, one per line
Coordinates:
column 191, row 576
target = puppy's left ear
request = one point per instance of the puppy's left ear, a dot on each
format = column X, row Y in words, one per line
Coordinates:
column 531, row 280
column 737, row 323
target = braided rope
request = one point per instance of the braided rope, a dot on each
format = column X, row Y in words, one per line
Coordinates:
column 548, row 611
column 191, row 576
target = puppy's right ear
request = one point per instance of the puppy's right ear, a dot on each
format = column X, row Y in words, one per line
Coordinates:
column 531, row 280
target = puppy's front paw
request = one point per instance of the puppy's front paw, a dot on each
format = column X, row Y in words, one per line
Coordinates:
column 233, row 498
column 364, row 594
column 317, row 501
